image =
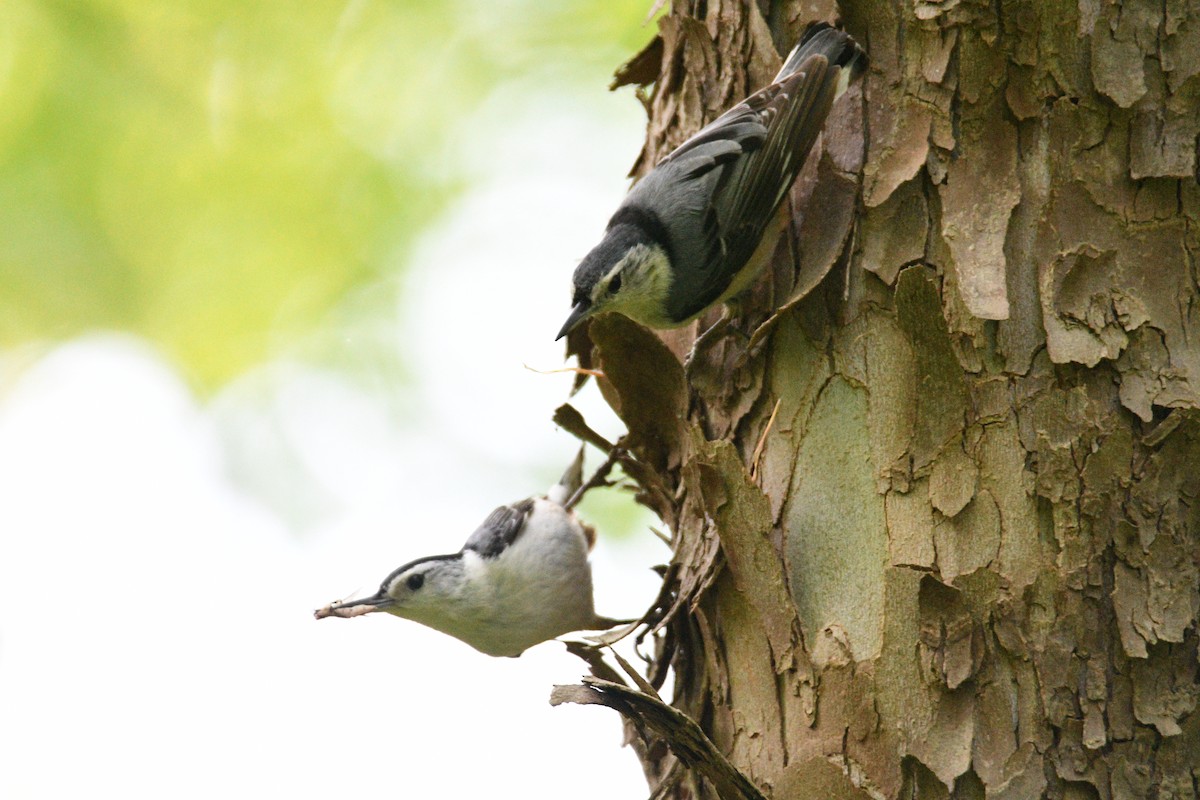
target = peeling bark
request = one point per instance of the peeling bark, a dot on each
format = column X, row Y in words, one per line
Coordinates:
column 938, row 534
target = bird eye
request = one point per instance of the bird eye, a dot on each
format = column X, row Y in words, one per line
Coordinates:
column 416, row 581
column 614, row 285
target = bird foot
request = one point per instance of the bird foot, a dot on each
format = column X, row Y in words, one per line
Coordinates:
column 720, row 331
column 599, row 477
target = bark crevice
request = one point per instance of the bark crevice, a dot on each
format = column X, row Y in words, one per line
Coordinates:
column 964, row 558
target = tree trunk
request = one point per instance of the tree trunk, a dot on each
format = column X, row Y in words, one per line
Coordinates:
column 936, row 527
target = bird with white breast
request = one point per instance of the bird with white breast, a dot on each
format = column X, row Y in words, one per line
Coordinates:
column 520, row 579
column 694, row 232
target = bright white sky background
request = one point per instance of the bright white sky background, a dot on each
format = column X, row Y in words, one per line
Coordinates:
column 156, row 595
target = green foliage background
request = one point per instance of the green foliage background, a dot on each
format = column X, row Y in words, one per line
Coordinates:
column 213, row 175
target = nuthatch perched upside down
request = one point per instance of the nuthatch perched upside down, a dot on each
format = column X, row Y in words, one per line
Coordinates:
column 692, row 233
column 522, row 577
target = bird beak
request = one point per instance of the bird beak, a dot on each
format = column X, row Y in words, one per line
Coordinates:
column 579, row 313
column 355, row 608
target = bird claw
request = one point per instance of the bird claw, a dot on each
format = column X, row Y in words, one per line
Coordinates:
column 599, row 477
column 721, row 330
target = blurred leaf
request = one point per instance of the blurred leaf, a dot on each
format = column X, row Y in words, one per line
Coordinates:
column 217, row 175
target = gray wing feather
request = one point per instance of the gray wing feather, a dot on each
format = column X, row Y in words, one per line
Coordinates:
column 500, row 529
column 716, row 192
column 748, row 200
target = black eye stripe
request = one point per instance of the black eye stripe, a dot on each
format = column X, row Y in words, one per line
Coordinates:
column 614, row 285
column 416, row 581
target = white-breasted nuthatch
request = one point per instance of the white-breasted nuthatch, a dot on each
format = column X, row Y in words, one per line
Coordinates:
column 522, row 577
column 690, row 234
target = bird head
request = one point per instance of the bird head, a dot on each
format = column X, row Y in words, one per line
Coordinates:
column 628, row 272
column 428, row 590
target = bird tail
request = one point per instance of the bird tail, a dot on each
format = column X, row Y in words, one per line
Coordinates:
column 837, row 46
column 569, row 483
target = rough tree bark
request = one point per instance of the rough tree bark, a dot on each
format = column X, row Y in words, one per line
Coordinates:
column 936, row 532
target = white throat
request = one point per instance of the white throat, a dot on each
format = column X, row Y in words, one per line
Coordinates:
column 646, row 280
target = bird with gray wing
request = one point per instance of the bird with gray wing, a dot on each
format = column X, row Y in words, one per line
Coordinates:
column 692, row 233
column 522, row 577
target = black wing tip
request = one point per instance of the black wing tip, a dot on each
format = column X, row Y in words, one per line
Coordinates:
column 839, row 47
column 813, row 29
